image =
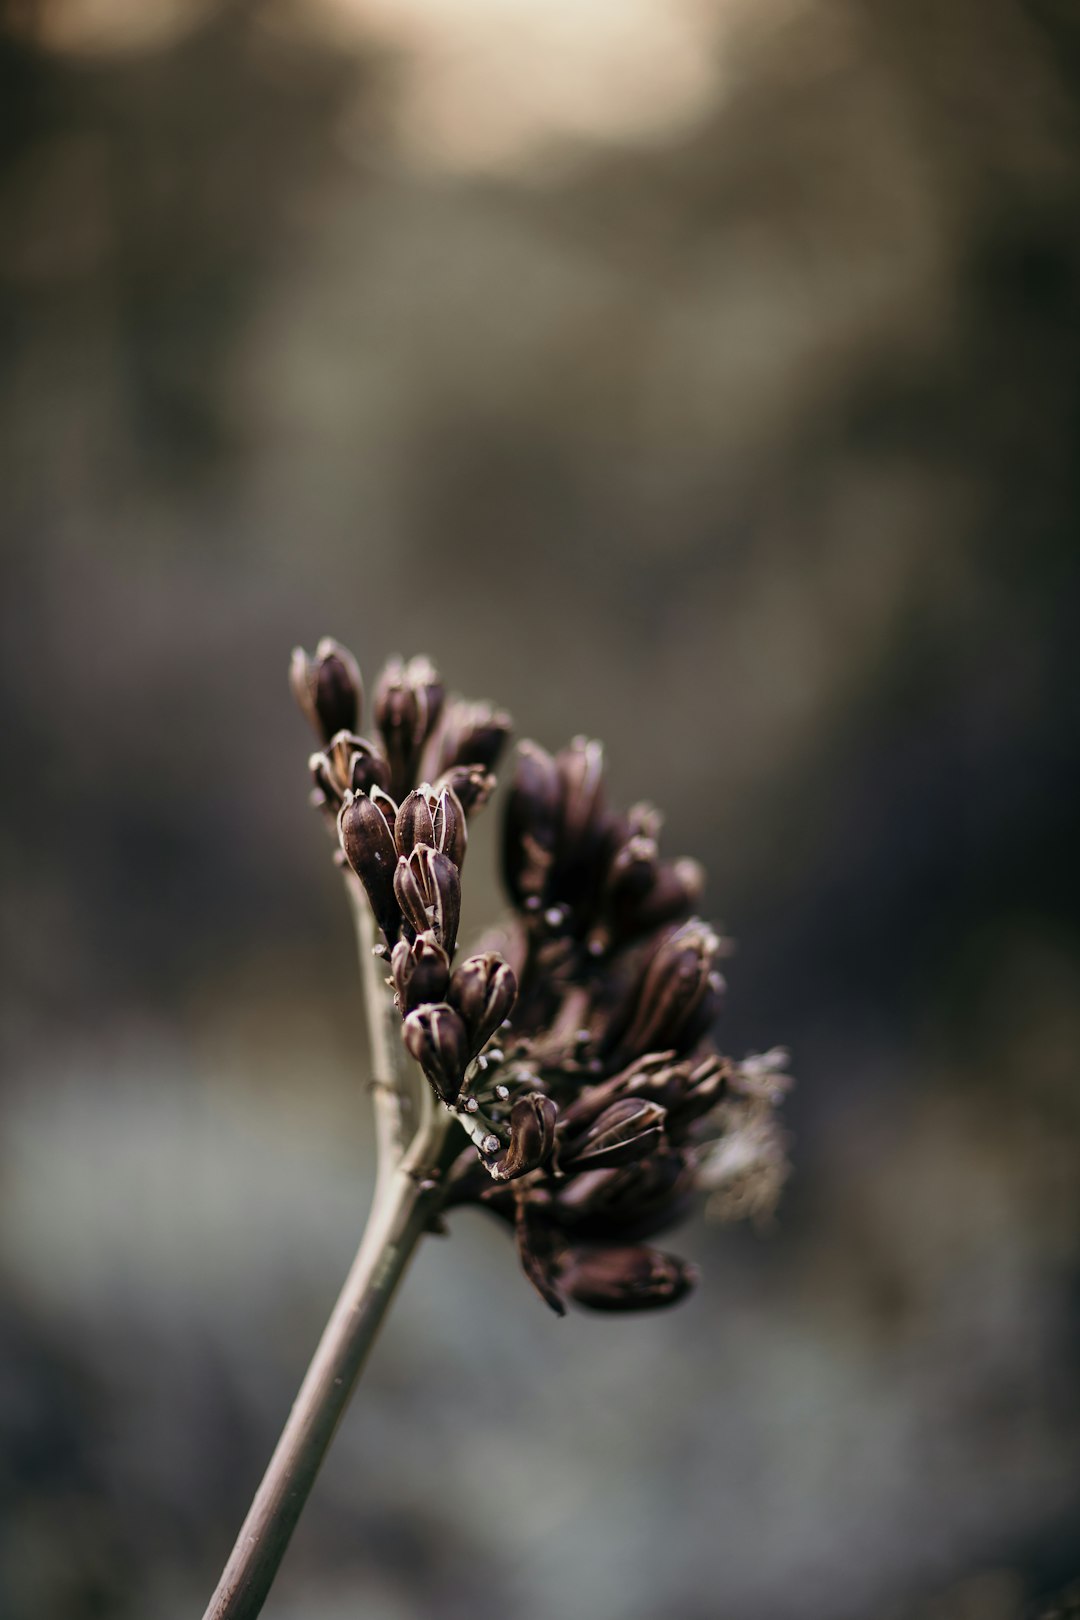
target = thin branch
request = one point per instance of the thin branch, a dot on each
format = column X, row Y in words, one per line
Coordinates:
column 390, row 1067
column 409, row 1202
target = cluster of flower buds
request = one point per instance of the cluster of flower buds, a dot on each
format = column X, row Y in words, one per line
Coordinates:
column 577, row 1056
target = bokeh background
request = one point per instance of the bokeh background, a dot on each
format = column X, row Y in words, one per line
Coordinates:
column 703, row 375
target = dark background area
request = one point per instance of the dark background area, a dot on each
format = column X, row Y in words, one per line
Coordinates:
column 730, row 413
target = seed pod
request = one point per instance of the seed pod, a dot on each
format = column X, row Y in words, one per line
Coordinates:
column 625, row 1133
column 327, row 687
column 348, row 763
column 472, row 784
column 421, row 971
column 536, row 1247
column 532, row 1137
column 414, row 823
column 408, row 700
column 427, row 817
column 633, row 1279
column 468, row 734
column 530, row 830
column 581, row 771
column 428, row 889
column 435, row 1036
column 673, row 989
column 483, row 989
column 369, row 849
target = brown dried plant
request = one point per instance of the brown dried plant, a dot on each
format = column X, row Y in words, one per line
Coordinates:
column 562, row 1077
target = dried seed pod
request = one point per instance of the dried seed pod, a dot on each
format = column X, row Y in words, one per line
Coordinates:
column 631, row 1279
column 420, row 970
column 348, row 763
column 625, row 1133
column 436, row 1037
column 483, row 989
column 536, row 1247
column 408, row 701
column 673, row 990
column 415, row 824
column 531, row 826
column 581, row 771
column 468, row 734
column 472, row 785
column 532, row 1137
column 368, row 843
column 327, row 687
column 428, row 889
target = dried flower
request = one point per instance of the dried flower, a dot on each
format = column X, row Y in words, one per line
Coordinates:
column 577, row 1057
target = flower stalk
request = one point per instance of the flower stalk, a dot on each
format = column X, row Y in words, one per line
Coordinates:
column 564, row 1078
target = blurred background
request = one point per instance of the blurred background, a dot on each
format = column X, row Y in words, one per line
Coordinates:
column 702, row 375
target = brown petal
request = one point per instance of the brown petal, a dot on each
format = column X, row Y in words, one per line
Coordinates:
column 435, row 1036
column 369, row 849
column 327, row 687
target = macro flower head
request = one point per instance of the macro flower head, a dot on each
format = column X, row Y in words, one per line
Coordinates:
column 574, row 1048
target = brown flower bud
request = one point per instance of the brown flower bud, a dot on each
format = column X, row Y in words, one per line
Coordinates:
column 625, row 1133
column 472, row 784
column 532, row 1137
column 435, row 1036
column 368, row 843
column 327, row 687
column 483, row 989
column 531, row 826
column 634, row 1279
column 421, row 971
column 428, row 889
column 408, row 700
column 348, row 763
column 675, row 987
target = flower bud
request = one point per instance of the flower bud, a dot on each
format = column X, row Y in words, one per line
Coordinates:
column 369, row 849
column 428, row 889
column 327, row 687
column 435, row 1036
column 530, row 831
column 625, row 1133
column 483, row 989
column 408, row 700
column 634, row 1279
column 532, row 1137
column 421, row 971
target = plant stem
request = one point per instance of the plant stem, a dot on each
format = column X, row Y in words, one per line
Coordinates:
column 389, row 1077
column 398, row 1219
column 408, row 1193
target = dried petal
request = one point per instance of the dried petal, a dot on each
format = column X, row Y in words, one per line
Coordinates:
column 673, row 989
